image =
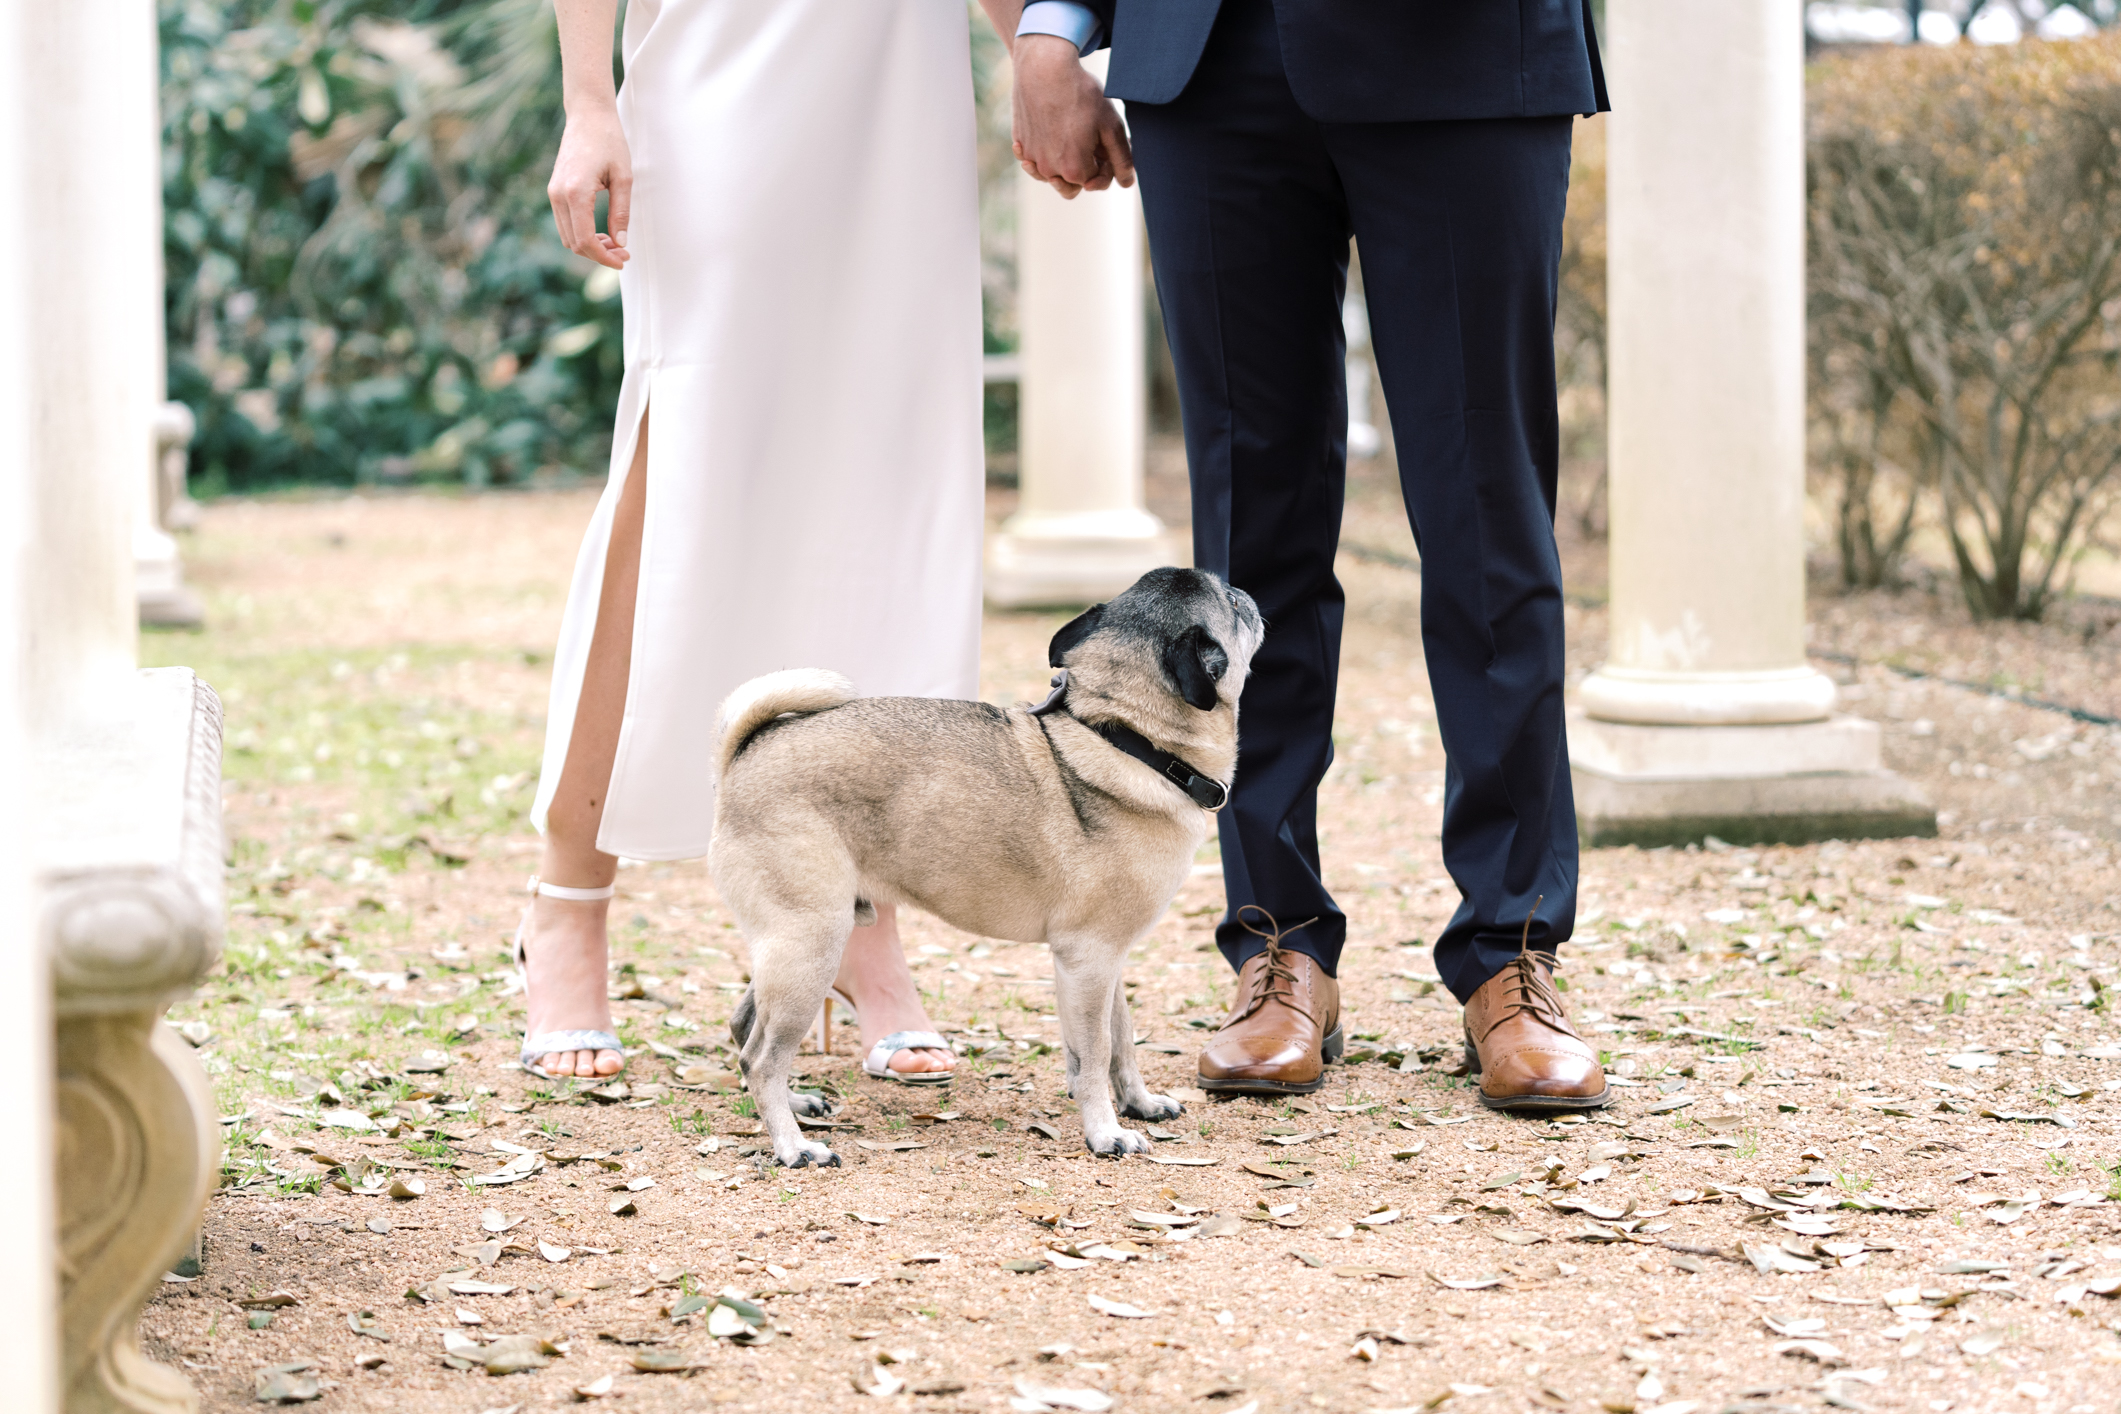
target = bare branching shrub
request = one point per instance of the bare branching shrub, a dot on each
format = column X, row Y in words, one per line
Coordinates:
column 1966, row 305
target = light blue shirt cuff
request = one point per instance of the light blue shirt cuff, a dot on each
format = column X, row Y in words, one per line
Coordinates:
column 1064, row 19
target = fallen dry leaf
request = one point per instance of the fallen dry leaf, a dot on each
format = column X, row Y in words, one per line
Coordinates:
column 1468, row 1283
column 294, row 1383
column 1118, row 1308
column 1086, row 1401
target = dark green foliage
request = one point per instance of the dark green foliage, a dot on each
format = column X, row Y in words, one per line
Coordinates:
column 363, row 279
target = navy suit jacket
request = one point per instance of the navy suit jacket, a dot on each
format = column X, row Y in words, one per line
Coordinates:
column 1381, row 61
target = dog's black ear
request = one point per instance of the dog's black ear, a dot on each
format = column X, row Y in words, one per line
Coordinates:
column 1195, row 662
column 1073, row 632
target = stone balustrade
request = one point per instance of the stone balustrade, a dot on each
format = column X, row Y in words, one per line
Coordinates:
column 129, row 868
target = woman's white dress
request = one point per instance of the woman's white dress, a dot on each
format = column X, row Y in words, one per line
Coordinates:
column 802, row 315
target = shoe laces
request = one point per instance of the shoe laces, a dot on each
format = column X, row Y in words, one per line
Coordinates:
column 1277, row 980
column 1529, row 990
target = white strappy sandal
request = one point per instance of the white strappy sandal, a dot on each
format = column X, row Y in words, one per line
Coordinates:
column 878, row 1061
column 536, row 1048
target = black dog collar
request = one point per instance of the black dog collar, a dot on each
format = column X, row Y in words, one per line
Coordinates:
column 1205, row 791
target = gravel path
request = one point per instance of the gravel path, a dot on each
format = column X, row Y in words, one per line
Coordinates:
column 1865, row 1155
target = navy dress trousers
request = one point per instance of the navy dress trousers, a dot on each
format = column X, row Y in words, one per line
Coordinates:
column 1268, row 134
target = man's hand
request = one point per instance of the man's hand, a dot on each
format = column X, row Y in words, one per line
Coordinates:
column 1068, row 133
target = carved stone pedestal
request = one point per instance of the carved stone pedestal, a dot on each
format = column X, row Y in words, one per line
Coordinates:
column 130, row 864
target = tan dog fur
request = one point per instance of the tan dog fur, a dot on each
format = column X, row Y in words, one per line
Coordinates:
column 1001, row 823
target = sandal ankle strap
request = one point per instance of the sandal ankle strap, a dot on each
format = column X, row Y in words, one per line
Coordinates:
column 561, row 891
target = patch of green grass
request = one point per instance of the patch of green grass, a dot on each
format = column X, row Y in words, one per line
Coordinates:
column 305, row 1185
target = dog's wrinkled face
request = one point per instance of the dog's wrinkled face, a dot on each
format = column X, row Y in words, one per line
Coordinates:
column 1200, row 632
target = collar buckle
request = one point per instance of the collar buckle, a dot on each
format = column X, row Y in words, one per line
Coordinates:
column 1210, row 795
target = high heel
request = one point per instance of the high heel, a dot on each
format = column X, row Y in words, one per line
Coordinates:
column 822, row 1032
column 878, row 1061
column 536, row 1048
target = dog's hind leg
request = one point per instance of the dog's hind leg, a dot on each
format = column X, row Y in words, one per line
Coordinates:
column 743, row 1018
column 803, row 1102
column 1136, row 1100
column 1086, row 971
column 792, row 963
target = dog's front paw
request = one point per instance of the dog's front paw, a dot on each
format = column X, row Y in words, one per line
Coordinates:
column 814, row 1103
column 804, row 1153
column 1116, row 1143
column 1152, row 1107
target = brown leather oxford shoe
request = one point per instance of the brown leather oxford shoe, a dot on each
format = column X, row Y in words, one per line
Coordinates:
column 1519, row 1042
column 1282, row 1032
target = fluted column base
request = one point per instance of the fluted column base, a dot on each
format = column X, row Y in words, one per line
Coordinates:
column 1791, row 783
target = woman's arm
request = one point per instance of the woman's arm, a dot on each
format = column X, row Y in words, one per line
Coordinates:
column 593, row 154
column 1003, row 15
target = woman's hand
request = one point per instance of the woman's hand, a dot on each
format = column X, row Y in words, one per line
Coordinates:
column 593, row 158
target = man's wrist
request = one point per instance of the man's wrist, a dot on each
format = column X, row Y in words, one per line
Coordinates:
column 1035, row 49
column 1065, row 20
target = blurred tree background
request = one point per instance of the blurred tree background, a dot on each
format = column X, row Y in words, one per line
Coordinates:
column 364, row 284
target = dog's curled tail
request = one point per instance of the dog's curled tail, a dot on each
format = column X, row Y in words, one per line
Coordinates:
column 759, row 701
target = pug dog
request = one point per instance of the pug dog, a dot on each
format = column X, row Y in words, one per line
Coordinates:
column 1072, row 823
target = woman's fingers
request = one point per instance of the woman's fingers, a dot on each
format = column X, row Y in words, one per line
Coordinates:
column 562, row 217
column 620, row 214
column 582, row 215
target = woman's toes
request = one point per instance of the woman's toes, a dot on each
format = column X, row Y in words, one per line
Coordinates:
column 609, row 1062
column 922, row 1059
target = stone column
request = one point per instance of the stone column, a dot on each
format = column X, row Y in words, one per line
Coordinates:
column 165, row 601
column 29, row 1344
column 1081, row 530
column 121, row 792
column 1706, row 717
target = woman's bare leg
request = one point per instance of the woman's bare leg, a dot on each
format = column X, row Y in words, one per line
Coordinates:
column 873, row 972
column 568, row 953
column 568, row 949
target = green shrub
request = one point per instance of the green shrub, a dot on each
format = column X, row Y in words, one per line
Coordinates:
column 363, row 279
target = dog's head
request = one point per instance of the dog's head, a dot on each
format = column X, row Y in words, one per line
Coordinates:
column 1195, row 633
